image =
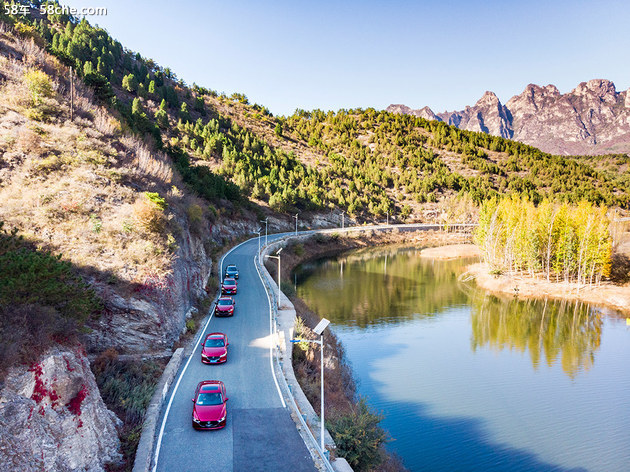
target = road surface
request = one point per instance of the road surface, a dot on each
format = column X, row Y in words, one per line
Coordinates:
column 260, row 434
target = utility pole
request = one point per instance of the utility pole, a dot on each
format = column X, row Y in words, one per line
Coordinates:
column 296, row 221
column 258, row 231
column 343, row 219
column 277, row 256
column 71, row 93
column 265, row 221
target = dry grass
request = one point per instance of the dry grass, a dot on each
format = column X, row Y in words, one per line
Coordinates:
column 77, row 187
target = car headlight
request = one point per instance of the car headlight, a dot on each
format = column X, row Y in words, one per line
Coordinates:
column 222, row 419
column 223, row 355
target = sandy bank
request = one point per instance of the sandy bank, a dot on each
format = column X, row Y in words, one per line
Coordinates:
column 452, row 251
column 606, row 294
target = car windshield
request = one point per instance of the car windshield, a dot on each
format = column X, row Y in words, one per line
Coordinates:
column 225, row 302
column 211, row 398
column 231, row 268
column 229, row 281
column 215, row 342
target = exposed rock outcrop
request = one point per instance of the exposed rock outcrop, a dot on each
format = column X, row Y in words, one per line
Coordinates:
column 593, row 118
column 52, row 417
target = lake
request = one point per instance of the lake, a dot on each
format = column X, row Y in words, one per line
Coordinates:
column 468, row 381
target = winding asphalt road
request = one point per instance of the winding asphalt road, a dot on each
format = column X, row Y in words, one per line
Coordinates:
column 260, row 434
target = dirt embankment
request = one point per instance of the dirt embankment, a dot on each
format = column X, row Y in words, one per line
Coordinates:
column 613, row 294
column 451, row 251
column 606, row 294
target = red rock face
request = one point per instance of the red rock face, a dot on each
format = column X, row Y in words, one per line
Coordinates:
column 53, row 417
column 591, row 119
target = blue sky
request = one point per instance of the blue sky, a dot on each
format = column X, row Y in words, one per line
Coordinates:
column 345, row 54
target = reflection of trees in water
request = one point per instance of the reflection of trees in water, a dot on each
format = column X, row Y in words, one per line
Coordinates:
column 363, row 289
column 546, row 329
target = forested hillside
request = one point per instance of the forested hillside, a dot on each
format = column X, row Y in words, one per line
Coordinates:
column 369, row 163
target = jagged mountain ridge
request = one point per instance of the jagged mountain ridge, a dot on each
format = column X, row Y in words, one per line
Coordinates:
column 591, row 119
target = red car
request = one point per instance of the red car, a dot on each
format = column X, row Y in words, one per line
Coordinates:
column 229, row 286
column 225, row 306
column 214, row 349
column 210, row 409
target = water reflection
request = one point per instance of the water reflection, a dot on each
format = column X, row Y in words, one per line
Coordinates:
column 393, row 285
column 389, row 286
column 545, row 329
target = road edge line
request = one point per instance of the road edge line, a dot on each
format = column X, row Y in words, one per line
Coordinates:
column 269, row 302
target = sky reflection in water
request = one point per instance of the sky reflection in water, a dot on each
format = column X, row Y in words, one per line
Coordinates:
column 469, row 381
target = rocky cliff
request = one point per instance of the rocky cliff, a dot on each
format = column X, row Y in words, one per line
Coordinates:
column 52, row 417
column 593, row 118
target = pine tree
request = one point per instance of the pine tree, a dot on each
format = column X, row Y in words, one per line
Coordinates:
column 129, row 83
column 88, row 68
column 183, row 113
column 136, row 107
column 161, row 116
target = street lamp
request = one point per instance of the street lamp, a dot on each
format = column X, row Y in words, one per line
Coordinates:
column 265, row 221
column 277, row 256
column 258, row 231
column 319, row 329
column 296, row 221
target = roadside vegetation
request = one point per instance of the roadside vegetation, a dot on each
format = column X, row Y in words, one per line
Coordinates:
column 43, row 301
column 127, row 388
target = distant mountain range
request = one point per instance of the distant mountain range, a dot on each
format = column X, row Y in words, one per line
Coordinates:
column 591, row 119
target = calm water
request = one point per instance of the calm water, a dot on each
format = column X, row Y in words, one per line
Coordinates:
column 471, row 382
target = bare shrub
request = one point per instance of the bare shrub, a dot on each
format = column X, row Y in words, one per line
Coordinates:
column 29, row 142
column 149, row 216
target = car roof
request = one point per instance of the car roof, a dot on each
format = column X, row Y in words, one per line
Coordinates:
column 229, row 279
column 215, row 335
column 205, row 383
column 226, row 298
column 232, row 266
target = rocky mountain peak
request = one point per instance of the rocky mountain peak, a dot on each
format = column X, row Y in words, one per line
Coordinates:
column 593, row 118
column 601, row 88
column 488, row 99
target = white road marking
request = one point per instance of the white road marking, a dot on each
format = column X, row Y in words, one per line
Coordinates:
column 273, row 371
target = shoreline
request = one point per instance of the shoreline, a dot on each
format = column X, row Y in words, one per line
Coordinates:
column 606, row 294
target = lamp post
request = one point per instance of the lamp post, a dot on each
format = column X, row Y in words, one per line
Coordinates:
column 319, row 329
column 265, row 221
column 277, row 256
column 296, row 221
column 258, row 231
column 343, row 219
